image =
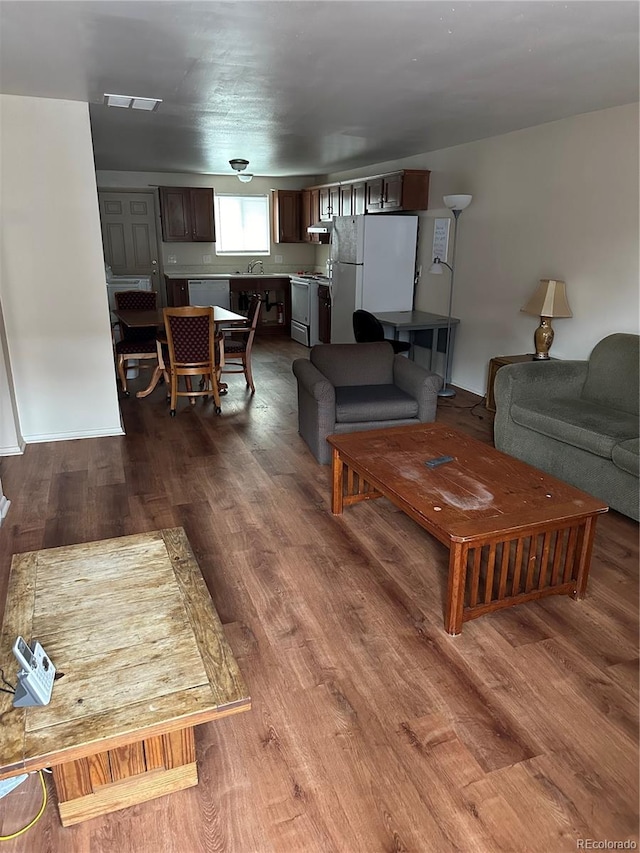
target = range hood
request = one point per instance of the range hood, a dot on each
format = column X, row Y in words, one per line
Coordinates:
column 320, row 228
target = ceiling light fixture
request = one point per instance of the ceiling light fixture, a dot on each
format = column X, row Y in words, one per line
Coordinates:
column 239, row 165
column 132, row 102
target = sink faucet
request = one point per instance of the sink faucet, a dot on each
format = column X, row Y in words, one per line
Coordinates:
column 254, row 263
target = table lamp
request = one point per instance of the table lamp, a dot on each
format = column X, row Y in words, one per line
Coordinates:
column 549, row 300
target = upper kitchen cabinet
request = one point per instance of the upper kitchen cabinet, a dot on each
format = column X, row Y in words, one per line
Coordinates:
column 287, row 216
column 405, row 190
column 187, row 214
column 329, row 202
column 346, row 200
column 352, row 199
column 310, row 214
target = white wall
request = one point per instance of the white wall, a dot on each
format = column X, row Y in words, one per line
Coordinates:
column 559, row 200
column 52, row 283
column 11, row 441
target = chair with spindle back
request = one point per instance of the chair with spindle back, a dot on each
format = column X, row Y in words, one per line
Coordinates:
column 238, row 343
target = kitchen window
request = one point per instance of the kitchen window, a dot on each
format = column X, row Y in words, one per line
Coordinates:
column 242, row 224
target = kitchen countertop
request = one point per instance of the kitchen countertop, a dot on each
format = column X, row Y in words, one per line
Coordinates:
column 225, row 275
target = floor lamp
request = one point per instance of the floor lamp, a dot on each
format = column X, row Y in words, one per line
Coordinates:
column 456, row 204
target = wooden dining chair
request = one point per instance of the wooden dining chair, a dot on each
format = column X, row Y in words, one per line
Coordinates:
column 138, row 344
column 192, row 347
column 238, row 343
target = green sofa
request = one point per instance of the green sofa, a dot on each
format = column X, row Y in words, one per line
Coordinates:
column 577, row 420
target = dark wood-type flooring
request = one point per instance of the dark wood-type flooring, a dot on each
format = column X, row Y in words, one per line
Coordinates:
column 371, row 729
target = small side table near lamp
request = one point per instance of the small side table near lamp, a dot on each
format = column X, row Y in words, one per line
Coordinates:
column 549, row 300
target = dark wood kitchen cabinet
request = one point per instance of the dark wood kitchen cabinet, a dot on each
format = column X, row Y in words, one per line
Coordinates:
column 324, row 314
column 352, row 199
column 346, row 200
column 404, row 190
column 186, row 214
column 177, row 291
column 310, row 214
column 329, row 202
column 286, row 212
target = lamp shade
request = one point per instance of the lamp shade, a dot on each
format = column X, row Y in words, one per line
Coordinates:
column 549, row 300
column 457, row 202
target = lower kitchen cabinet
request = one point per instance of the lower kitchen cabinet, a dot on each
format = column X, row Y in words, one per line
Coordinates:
column 275, row 312
column 324, row 314
column 177, row 291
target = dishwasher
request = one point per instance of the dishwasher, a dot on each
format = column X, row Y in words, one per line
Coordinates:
column 209, row 291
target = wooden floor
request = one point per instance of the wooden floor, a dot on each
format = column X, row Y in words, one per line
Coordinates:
column 371, row 729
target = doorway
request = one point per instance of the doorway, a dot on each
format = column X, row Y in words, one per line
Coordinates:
column 130, row 234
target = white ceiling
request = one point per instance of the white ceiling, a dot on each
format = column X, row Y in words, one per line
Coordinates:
column 300, row 87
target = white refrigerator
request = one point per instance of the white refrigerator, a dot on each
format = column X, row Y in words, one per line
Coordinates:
column 373, row 264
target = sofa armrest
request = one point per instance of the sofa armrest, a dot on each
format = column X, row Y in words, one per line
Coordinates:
column 421, row 384
column 529, row 379
column 528, row 382
column 313, row 382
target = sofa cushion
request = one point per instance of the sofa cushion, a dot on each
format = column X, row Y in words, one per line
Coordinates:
column 613, row 379
column 354, row 364
column 586, row 425
column 357, row 403
column 626, row 455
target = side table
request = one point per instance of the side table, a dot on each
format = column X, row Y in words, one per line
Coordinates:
column 494, row 366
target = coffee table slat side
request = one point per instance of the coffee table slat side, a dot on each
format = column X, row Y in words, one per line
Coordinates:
column 226, row 681
column 17, row 622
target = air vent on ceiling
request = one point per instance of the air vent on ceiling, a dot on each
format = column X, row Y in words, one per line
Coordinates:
column 132, row 102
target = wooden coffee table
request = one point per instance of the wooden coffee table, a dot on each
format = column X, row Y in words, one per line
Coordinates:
column 514, row 533
column 131, row 624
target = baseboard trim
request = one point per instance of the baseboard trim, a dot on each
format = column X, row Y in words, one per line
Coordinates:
column 69, row 436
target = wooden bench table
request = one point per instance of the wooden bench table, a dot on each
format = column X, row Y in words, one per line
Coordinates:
column 131, row 624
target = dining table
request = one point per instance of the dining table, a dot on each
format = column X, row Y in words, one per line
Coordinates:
column 135, row 318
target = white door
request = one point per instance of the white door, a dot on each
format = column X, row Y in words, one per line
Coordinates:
column 129, row 234
column 344, row 301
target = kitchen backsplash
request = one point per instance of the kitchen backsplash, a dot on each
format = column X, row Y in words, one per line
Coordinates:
column 194, row 258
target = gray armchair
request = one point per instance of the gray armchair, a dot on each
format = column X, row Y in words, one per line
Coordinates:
column 351, row 387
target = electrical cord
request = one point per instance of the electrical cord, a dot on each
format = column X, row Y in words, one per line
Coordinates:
column 36, row 818
column 470, row 408
column 8, row 683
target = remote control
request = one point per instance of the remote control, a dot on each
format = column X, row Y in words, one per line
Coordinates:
column 439, row 460
column 37, row 674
